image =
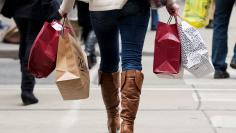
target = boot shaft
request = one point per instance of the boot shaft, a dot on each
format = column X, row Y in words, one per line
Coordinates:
column 131, row 85
column 27, row 79
column 110, row 83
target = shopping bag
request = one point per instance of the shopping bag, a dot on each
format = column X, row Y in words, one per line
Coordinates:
column 196, row 12
column 179, row 75
column 72, row 73
column 12, row 36
column 167, row 60
column 195, row 57
column 43, row 54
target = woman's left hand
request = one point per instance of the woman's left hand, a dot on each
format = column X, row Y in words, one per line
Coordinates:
column 172, row 8
column 54, row 16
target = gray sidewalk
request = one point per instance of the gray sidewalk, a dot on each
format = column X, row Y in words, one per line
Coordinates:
column 167, row 106
column 164, row 110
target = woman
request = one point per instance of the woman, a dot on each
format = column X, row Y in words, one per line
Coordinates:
column 29, row 16
column 130, row 18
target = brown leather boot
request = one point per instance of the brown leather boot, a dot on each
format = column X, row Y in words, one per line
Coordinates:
column 110, row 83
column 131, row 84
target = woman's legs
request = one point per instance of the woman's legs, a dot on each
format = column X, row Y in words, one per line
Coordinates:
column 106, row 30
column 28, row 30
column 133, row 30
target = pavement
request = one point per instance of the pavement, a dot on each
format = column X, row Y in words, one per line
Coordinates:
column 189, row 105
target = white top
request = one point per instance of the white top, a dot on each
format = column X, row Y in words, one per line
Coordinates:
column 94, row 5
column 98, row 5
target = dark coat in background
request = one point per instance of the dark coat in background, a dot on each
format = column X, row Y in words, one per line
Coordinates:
column 1, row 4
column 33, row 9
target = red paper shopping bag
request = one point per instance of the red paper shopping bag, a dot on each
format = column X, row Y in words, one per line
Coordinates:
column 167, row 52
column 42, row 59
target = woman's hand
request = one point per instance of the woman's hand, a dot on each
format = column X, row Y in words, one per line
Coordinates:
column 172, row 8
column 63, row 14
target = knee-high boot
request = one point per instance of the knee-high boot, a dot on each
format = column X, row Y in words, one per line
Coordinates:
column 110, row 92
column 131, row 84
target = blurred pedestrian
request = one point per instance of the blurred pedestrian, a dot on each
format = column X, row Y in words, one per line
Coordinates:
column 3, row 29
column 211, row 15
column 1, row 4
column 130, row 19
column 87, row 36
column 29, row 16
column 12, row 36
column 154, row 19
column 73, row 19
column 220, row 38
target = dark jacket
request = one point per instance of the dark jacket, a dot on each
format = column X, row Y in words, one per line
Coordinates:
column 33, row 9
column 8, row 8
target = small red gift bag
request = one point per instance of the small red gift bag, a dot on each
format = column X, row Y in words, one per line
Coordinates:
column 167, row 52
column 43, row 55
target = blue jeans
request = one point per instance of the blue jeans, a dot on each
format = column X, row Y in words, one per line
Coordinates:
column 154, row 18
column 220, row 38
column 107, row 26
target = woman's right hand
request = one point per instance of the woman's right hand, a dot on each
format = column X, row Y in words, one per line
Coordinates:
column 63, row 14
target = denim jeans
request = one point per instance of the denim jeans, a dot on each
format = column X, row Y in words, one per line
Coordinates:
column 220, row 38
column 154, row 18
column 107, row 26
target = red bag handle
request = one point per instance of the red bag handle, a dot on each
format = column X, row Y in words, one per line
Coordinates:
column 176, row 18
column 169, row 20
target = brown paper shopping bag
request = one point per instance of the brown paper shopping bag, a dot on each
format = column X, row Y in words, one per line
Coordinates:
column 72, row 74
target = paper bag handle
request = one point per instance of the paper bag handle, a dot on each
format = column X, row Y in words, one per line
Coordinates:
column 66, row 25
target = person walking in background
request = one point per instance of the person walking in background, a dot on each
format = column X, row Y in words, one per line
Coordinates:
column 154, row 19
column 220, row 38
column 29, row 16
column 211, row 15
column 3, row 29
column 130, row 19
column 87, row 36
column 1, row 4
